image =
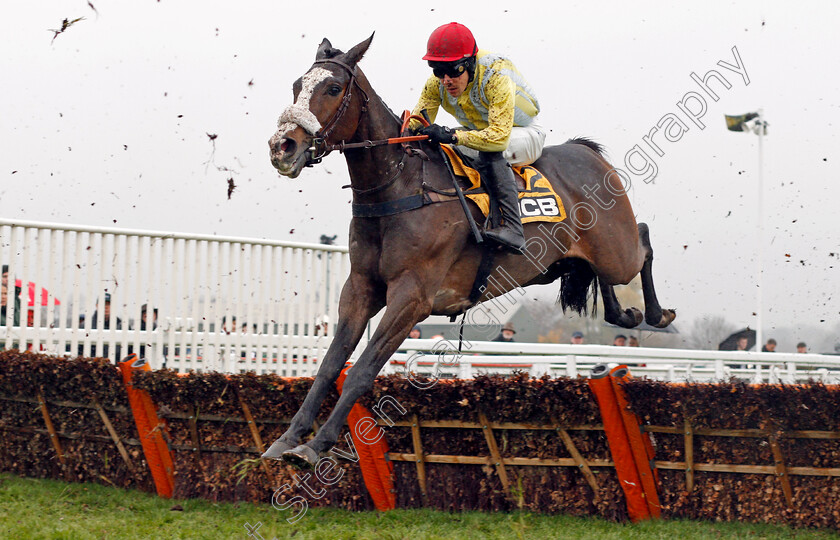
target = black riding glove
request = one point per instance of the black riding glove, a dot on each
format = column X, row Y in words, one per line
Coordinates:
column 439, row 134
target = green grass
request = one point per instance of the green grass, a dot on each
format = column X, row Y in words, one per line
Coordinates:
column 31, row 508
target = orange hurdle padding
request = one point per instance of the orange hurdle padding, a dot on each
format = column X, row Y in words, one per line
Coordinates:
column 625, row 464
column 377, row 472
column 158, row 454
column 646, row 438
column 640, row 443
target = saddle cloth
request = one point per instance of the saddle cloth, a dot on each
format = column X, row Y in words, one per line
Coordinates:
column 537, row 199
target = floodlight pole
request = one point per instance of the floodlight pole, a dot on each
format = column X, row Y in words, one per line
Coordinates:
column 760, row 130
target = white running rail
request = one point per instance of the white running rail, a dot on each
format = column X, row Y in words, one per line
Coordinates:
column 281, row 290
column 440, row 358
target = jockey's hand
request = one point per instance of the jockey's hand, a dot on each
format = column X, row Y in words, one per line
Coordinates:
column 439, row 134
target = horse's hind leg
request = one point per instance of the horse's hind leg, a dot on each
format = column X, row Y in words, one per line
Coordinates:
column 359, row 302
column 629, row 318
column 654, row 314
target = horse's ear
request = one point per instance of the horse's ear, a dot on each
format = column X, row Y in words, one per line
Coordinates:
column 356, row 53
column 325, row 50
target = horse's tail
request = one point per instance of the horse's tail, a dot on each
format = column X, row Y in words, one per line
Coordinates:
column 575, row 281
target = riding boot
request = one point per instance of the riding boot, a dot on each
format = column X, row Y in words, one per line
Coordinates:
column 501, row 186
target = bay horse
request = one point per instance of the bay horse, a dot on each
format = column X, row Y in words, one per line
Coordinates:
column 424, row 261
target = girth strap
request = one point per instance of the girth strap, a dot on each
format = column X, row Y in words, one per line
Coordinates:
column 484, row 271
column 389, row 208
column 398, row 206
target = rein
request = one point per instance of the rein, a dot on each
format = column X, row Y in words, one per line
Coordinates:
column 428, row 195
column 320, row 148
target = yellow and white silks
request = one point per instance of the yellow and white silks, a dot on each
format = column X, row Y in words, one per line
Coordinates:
column 498, row 109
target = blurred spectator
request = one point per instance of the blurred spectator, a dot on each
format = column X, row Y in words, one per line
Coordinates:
column 322, row 325
column 143, row 315
column 742, row 344
column 632, row 341
column 801, row 347
column 106, row 325
column 620, row 340
column 770, row 346
column 415, row 333
column 107, row 316
column 577, row 338
column 144, row 311
column 244, row 328
column 232, row 326
column 4, row 299
column 507, row 333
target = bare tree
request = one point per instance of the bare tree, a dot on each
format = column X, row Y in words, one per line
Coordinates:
column 708, row 331
column 546, row 314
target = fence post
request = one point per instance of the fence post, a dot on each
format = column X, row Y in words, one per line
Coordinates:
column 773, row 375
column 824, row 378
column 571, row 366
column 781, row 469
column 719, row 375
column 495, row 454
column 758, row 378
column 540, row 369
column 791, row 372
column 419, row 458
column 689, row 372
column 53, row 436
column 689, row 456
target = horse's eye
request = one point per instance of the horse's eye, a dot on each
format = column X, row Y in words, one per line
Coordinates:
column 334, row 90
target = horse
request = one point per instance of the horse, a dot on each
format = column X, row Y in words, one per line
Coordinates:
column 424, row 261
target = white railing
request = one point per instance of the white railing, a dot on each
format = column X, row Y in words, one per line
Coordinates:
column 281, row 290
column 441, row 358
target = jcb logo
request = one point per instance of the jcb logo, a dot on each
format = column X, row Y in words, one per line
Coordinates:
column 542, row 206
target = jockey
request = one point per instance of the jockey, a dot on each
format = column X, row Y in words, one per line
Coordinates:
column 498, row 112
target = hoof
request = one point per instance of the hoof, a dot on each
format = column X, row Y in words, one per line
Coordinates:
column 635, row 315
column 275, row 451
column 301, row 456
column 629, row 318
column 668, row 316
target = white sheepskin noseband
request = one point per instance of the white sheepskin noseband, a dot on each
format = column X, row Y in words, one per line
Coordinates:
column 298, row 115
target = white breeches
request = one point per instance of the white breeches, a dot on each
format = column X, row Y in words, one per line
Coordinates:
column 525, row 145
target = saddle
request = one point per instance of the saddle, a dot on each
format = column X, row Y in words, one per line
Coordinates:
column 537, row 199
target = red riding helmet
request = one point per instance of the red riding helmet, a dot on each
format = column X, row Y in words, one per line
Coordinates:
column 449, row 43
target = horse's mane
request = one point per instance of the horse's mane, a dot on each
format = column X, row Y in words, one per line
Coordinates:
column 589, row 143
column 332, row 52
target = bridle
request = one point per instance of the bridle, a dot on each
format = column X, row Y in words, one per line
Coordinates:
column 319, row 148
column 427, row 195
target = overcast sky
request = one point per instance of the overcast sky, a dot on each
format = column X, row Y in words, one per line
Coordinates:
column 108, row 124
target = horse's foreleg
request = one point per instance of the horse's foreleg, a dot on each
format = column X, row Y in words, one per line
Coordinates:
column 654, row 314
column 406, row 306
column 359, row 302
column 629, row 318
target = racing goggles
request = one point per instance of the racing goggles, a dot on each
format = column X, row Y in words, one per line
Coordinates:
column 452, row 69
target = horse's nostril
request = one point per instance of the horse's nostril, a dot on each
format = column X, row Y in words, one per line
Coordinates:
column 287, row 146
